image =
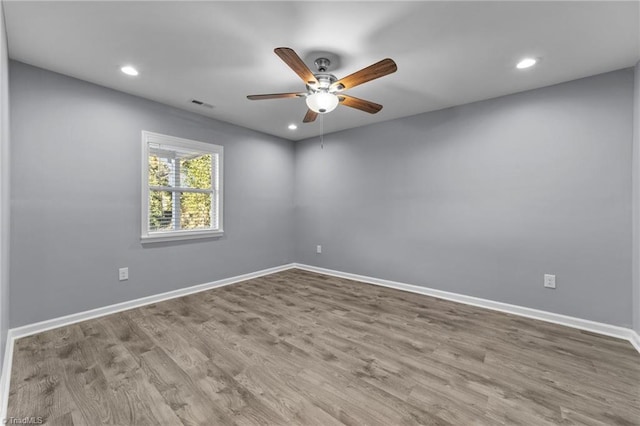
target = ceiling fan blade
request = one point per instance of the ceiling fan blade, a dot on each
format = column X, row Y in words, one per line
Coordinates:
column 310, row 116
column 275, row 96
column 377, row 70
column 361, row 104
column 292, row 59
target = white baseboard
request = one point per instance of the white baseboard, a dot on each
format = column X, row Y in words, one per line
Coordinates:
column 635, row 340
column 39, row 327
column 582, row 324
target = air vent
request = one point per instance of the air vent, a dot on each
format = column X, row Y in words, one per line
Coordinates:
column 201, row 103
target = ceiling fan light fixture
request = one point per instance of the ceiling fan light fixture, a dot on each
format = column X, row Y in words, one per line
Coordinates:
column 322, row 102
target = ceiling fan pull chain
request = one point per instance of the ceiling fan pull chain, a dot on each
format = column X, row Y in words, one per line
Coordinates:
column 322, row 131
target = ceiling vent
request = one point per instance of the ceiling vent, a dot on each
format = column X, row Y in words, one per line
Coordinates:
column 200, row 103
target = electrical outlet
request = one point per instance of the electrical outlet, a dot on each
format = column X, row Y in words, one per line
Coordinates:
column 123, row 274
column 549, row 281
column 318, row 249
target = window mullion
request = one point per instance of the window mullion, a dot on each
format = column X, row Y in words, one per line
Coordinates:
column 213, row 211
column 175, row 195
column 180, row 189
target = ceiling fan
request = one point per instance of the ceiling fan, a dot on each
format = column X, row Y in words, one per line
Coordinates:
column 324, row 90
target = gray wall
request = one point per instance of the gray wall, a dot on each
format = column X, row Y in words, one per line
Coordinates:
column 483, row 199
column 480, row 199
column 4, row 187
column 636, row 200
column 76, row 198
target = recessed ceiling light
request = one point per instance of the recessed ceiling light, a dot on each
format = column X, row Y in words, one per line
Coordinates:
column 292, row 127
column 129, row 70
column 526, row 63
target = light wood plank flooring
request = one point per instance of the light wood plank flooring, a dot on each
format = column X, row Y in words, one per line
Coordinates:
column 301, row 348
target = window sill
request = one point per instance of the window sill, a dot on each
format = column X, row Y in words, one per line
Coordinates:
column 179, row 236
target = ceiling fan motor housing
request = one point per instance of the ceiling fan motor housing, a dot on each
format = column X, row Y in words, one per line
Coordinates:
column 324, row 81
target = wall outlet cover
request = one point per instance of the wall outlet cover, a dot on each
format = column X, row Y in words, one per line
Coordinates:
column 549, row 281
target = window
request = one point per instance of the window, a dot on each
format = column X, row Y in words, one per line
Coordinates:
column 181, row 188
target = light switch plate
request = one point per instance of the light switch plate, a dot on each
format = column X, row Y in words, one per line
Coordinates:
column 123, row 274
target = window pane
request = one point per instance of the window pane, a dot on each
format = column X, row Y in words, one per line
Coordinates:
column 160, row 211
column 195, row 210
column 179, row 167
column 196, row 172
column 159, row 170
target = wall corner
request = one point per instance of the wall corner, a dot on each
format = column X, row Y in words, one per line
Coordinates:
column 636, row 200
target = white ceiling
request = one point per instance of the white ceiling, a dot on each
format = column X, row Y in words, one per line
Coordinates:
column 448, row 53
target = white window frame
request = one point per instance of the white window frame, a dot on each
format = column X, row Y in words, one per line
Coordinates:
column 217, row 174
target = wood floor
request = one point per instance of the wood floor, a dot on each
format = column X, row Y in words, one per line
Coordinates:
column 301, row 348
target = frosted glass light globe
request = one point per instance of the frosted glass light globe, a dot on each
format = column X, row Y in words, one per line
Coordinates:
column 322, row 102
